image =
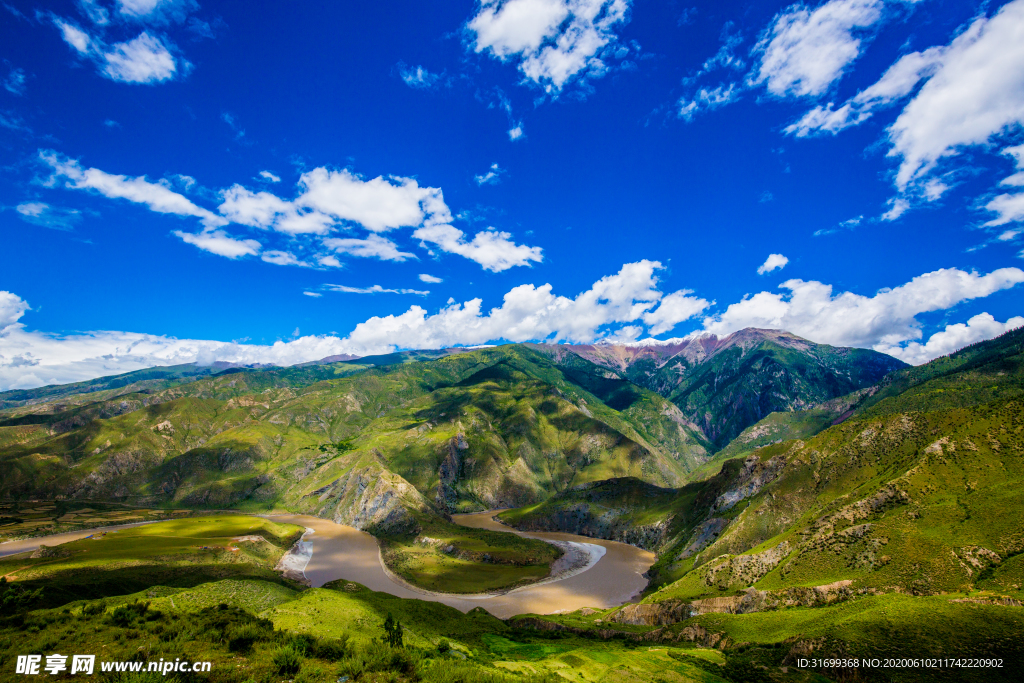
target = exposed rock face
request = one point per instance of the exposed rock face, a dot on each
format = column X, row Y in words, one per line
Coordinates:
column 580, row 519
column 450, row 472
column 372, row 499
column 752, row 478
column 744, row 569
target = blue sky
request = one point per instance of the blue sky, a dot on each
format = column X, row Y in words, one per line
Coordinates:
column 188, row 181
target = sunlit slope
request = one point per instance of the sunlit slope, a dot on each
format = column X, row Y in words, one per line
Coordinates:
column 918, row 490
column 493, row 427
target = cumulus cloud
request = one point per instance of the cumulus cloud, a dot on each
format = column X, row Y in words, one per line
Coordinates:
column 268, row 211
column 269, row 177
column 41, row 213
column 803, row 52
column 430, row 279
column 615, row 307
column 156, row 196
column 897, row 82
column 12, row 307
column 976, row 93
column 1010, row 206
column 613, row 304
column 553, row 41
column 884, row 321
column 374, row 246
column 672, row 310
column 953, row 338
column 220, row 243
column 773, row 262
column 493, row 250
column 328, row 200
column 377, row 204
column 144, row 59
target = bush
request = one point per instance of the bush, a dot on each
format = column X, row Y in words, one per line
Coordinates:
column 443, row 646
column 241, row 638
column 331, row 649
column 287, row 661
column 126, row 615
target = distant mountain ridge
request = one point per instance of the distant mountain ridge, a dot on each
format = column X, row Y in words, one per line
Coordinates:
column 725, row 384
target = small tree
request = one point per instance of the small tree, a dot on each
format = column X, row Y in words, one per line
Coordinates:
column 392, row 631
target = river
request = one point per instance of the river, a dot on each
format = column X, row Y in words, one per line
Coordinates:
column 616, row 578
column 342, row 552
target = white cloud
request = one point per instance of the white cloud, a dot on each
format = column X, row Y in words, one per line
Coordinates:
column 282, row 258
column 418, row 77
column 804, row 51
column 897, row 207
column 12, row 307
column 266, row 210
column 953, row 338
column 516, row 132
column 156, row 11
column 430, row 279
column 883, row 321
column 976, row 93
column 269, row 177
column 220, row 243
column 329, row 261
column 773, row 262
column 612, row 308
column 315, row 295
column 143, row 60
column 378, row 204
column 375, row 289
column 491, row 249
column 373, row 246
column 529, row 312
column 554, row 41
column 897, row 82
column 672, row 310
column 1010, row 207
column 492, row 177
column 1017, row 179
column 97, row 13
column 327, row 198
column 15, row 82
column 75, row 37
column 40, row 213
column 706, row 100
column 139, row 190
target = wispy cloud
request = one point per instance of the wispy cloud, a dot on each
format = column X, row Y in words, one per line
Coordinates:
column 492, row 177
column 375, row 289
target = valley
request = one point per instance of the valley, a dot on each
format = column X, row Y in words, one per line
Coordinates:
column 749, row 501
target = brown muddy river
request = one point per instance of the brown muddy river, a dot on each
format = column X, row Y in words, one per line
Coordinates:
column 341, row 552
column 614, row 575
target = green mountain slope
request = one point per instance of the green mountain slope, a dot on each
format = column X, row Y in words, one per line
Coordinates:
column 724, row 385
column 919, row 491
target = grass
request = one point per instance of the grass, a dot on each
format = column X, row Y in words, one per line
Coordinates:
column 182, row 552
column 41, row 518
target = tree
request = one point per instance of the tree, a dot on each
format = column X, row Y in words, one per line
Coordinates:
column 392, row 631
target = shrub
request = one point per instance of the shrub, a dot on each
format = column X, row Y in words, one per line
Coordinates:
column 443, row 646
column 287, row 661
column 242, row 637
